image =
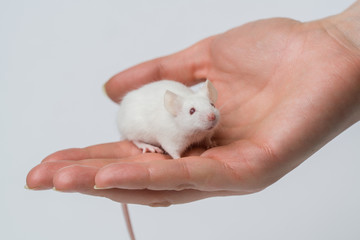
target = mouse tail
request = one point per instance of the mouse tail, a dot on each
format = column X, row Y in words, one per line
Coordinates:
column 128, row 221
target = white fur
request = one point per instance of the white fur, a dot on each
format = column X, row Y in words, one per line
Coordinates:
column 158, row 114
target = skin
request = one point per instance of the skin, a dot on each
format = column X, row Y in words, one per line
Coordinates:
column 285, row 89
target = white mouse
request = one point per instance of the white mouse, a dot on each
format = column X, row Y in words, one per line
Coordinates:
column 167, row 115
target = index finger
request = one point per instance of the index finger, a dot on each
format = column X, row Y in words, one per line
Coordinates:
column 118, row 150
column 200, row 173
column 188, row 66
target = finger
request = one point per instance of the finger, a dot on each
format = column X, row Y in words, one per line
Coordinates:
column 118, row 150
column 155, row 198
column 41, row 176
column 79, row 178
column 108, row 150
column 199, row 173
column 186, row 66
column 75, row 177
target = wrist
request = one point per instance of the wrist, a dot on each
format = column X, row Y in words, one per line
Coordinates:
column 345, row 29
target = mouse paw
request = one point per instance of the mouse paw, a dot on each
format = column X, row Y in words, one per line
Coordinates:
column 209, row 143
column 148, row 147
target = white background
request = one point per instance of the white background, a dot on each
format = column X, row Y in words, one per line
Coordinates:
column 54, row 58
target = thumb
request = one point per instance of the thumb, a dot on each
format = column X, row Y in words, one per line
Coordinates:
column 188, row 66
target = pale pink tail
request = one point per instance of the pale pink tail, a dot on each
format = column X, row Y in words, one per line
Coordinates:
column 128, row 221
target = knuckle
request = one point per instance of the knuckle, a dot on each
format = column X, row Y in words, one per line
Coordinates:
column 160, row 199
column 185, row 171
column 160, row 69
column 184, row 186
column 65, row 178
column 160, row 204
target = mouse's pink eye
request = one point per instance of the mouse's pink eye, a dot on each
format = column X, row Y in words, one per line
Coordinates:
column 192, row 110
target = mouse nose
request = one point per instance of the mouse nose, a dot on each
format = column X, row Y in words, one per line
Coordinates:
column 211, row 117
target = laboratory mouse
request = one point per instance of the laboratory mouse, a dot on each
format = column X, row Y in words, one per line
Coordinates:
column 169, row 116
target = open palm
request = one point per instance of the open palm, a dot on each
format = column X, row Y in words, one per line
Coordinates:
column 285, row 89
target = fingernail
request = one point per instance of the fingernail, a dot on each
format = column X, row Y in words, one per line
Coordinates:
column 27, row 187
column 104, row 90
column 99, row 188
column 54, row 188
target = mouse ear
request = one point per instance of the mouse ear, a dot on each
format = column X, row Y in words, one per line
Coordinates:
column 209, row 90
column 172, row 102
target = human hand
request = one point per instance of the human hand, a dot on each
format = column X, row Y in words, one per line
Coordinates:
column 285, row 89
